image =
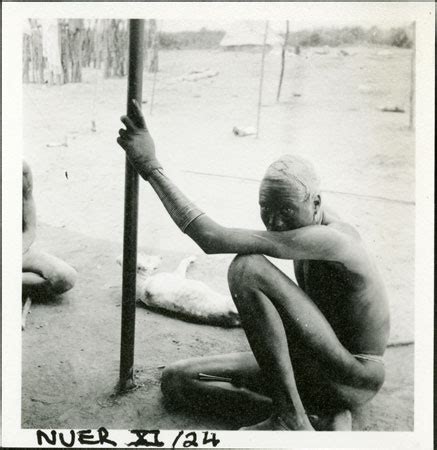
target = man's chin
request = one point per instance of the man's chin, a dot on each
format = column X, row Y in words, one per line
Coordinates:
column 279, row 229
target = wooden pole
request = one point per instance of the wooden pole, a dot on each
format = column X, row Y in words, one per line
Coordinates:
column 135, row 84
column 413, row 81
column 281, row 76
column 261, row 79
column 155, row 66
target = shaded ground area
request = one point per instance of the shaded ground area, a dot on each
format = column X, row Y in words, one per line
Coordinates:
column 329, row 112
column 71, row 352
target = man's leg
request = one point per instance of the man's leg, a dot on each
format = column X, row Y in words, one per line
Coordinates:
column 266, row 334
column 279, row 318
column 233, row 385
column 42, row 270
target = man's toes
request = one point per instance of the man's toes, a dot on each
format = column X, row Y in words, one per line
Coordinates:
column 339, row 421
column 342, row 421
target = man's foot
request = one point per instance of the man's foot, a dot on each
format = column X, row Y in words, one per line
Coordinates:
column 339, row 421
column 277, row 423
column 342, row 421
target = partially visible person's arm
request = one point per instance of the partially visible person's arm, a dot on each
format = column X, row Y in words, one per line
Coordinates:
column 29, row 210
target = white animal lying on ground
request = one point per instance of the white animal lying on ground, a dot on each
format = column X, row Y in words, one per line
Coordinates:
column 185, row 298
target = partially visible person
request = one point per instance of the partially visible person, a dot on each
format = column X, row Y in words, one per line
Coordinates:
column 42, row 273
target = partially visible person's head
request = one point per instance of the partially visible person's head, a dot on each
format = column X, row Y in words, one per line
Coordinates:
column 27, row 179
column 289, row 194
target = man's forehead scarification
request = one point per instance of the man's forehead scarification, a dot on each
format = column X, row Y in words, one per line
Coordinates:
column 294, row 171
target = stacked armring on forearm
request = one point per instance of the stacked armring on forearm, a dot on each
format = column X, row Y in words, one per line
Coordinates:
column 181, row 210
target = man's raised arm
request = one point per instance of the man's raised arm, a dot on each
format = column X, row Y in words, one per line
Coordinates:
column 312, row 242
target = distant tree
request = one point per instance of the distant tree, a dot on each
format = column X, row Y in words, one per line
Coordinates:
column 313, row 40
column 76, row 35
column 72, row 34
column 202, row 39
column 333, row 37
column 168, row 41
column 115, row 47
column 374, row 35
column 398, row 37
column 27, row 56
column 88, row 47
column 358, row 34
column 36, row 52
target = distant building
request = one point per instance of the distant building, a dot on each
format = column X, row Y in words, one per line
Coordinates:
column 249, row 36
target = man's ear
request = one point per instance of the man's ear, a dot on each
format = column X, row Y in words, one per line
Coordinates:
column 317, row 202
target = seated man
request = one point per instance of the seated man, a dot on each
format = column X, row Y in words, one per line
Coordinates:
column 317, row 345
column 41, row 273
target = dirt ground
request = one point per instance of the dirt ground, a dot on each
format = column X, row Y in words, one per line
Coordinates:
column 329, row 111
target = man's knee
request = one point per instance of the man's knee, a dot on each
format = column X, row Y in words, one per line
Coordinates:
column 63, row 280
column 245, row 270
column 174, row 379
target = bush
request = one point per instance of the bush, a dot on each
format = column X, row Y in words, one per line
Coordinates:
column 191, row 39
column 398, row 37
column 335, row 37
column 313, row 40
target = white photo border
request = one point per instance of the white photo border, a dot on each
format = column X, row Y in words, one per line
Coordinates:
column 422, row 12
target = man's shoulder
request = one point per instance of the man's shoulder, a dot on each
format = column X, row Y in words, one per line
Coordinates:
column 356, row 257
column 346, row 228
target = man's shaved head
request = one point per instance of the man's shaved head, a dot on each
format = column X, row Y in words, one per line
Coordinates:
column 294, row 172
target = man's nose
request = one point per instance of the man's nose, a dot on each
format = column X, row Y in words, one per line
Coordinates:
column 275, row 221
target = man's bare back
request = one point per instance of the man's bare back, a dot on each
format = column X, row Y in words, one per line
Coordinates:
column 353, row 301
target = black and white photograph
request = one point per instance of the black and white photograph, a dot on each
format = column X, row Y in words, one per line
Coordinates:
column 227, row 216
